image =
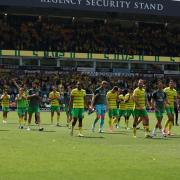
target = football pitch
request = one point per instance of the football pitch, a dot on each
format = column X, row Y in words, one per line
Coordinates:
column 54, row 154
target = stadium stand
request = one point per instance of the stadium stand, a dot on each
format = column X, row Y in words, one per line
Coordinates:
column 95, row 36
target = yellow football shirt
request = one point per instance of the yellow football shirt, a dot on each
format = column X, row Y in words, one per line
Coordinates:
column 112, row 99
column 122, row 105
column 170, row 94
column 140, row 95
column 54, row 97
column 5, row 101
column 129, row 101
column 78, row 98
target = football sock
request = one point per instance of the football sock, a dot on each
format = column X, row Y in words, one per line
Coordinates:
column 80, row 130
column 166, row 124
column 51, row 119
column 134, row 131
column 110, row 122
column 58, row 118
column 170, row 125
column 95, row 121
column 101, row 123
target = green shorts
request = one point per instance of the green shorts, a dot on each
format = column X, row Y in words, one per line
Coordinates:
column 21, row 111
column 129, row 112
column 159, row 113
column 55, row 109
column 78, row 112
column 140, row 113
column 68, row 111
column 122, row 113
column 113, row 113
column 34, row 109
column 170, row 110
column 5, row 109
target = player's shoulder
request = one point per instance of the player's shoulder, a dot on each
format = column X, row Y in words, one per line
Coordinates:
column 121, row 96
column 98, row 89
column 30, row 90
column 174, row 90
column 155, row 92
column 75, row 89
column 57, row 92
column 83, row 90
column 127, row 95
column 109, row 92
column 136, row 89
column 166, row 89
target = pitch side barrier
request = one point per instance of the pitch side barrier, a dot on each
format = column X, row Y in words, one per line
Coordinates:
column 151, row 7
column 86, row 56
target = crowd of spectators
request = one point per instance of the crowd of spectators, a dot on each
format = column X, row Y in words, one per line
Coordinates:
column 65, row 79
column 33, row 33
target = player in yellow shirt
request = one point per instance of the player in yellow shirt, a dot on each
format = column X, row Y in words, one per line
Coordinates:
column 54, row 97
column 122, row 107
column 78, row 103
column 21, row 102
column 171, row 95
column 129, row 101
column 5, row 99
column 140, row 108
column 112, row 98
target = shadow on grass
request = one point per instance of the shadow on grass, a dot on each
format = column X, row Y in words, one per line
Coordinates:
column 11, row 123
column 123, row 133
column 54, row 125
column 4, row 130
column 45, row 131
column 173, row 136
column 91, row 137
column 159, row 138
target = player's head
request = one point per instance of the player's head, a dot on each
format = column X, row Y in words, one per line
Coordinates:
column 21, row 90
column 5, row 91
column 61, row 88
column 54, row 88
column 140, row 83
column 120, row 91
column 171, row 83
column 115, row 89
column 104, row 84
column 69, row 88
column 24, row 86
column 79, row 85
column 35, row 84
column 144, row 86
column 130, row 90
column 159, row 84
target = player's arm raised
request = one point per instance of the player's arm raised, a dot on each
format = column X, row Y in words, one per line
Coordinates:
column 15, row 83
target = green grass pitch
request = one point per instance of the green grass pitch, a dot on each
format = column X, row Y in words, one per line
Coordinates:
column 54, row 154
